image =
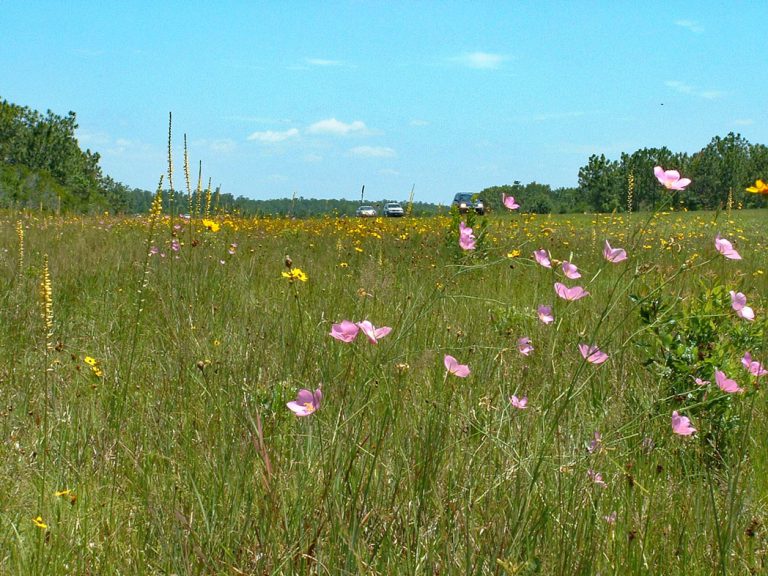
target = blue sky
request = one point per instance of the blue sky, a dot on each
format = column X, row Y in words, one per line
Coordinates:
column 319, row 98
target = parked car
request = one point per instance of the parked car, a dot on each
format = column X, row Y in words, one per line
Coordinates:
column 464, row 203
column 366, row 211
column 393, row 209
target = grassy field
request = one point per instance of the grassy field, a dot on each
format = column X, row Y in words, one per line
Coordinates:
column 144, row 426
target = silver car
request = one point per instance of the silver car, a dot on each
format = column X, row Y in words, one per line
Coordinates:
column 393, row 209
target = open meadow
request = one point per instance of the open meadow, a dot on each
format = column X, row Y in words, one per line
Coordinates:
column 147, row 364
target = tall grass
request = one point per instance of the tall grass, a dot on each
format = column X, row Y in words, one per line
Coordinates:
column 182, row 458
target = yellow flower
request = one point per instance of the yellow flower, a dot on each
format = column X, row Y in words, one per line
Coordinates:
column 71, row 496
column 39, row 523
column 295, row 274
column 90, row 361
column 513, row 254
column 760, row 187
column 211, row 225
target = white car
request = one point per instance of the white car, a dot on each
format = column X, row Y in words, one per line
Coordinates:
column 393, row 209
column 366, row 211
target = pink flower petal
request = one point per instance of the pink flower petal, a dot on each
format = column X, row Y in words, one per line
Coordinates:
column 614, row 255
column 345, row 331
column 372, row 333
column 542, row 257
column 726, row 248
column 571, row 271
column 726, row 384
column 453, row 367
column 681, row 425
column 519, row 403
column 592, row 354
column 545, row 314
column 570, row 294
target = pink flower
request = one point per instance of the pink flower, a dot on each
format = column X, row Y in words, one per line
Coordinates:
column 524, row 346
column 373, row 333
column 519, row 403
column 670, row 179
column 755, row 368
column 570, row 294
column 306, row 402
column 542, row 257
column 596, row 477
column 571, row 271
column 700, row 382
column 726, row 384
column 453, row 367
column 681, row 425
column 592, row 354
column 466, row 237
column 545, row 314
column 175, row 245
column 739, row 304
column 614, row 255
column 610, row 518
column 726, row 248
column 509, row 202
column 345, row 331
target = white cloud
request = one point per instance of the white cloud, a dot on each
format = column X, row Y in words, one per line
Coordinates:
column 271, row 137
column 684, row 88
column 337, row 128
column 744, row 122
column 126, row 147
column 323, row 62
column 691, row 25
column 373, row 152
column 712, row 94
column 87, row 138
column 480, row 60
column 418, row 122
column 312, row 157
column 388, row 172
column 679, row 86
column 223, row 146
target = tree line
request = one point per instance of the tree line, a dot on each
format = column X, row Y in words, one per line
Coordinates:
column 43, row 167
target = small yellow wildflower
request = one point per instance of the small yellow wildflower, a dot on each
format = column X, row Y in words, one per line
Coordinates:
column 295, row 274
column 343, row 265
column 90, row 361
column 211, row 225
column 39, row 523
column 513, row 254
column 71, row 496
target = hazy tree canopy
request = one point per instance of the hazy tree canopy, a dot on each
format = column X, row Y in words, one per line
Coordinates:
column 43, row 166
column 41, row 163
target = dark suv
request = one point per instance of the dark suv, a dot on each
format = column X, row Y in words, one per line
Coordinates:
column 466, row 202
